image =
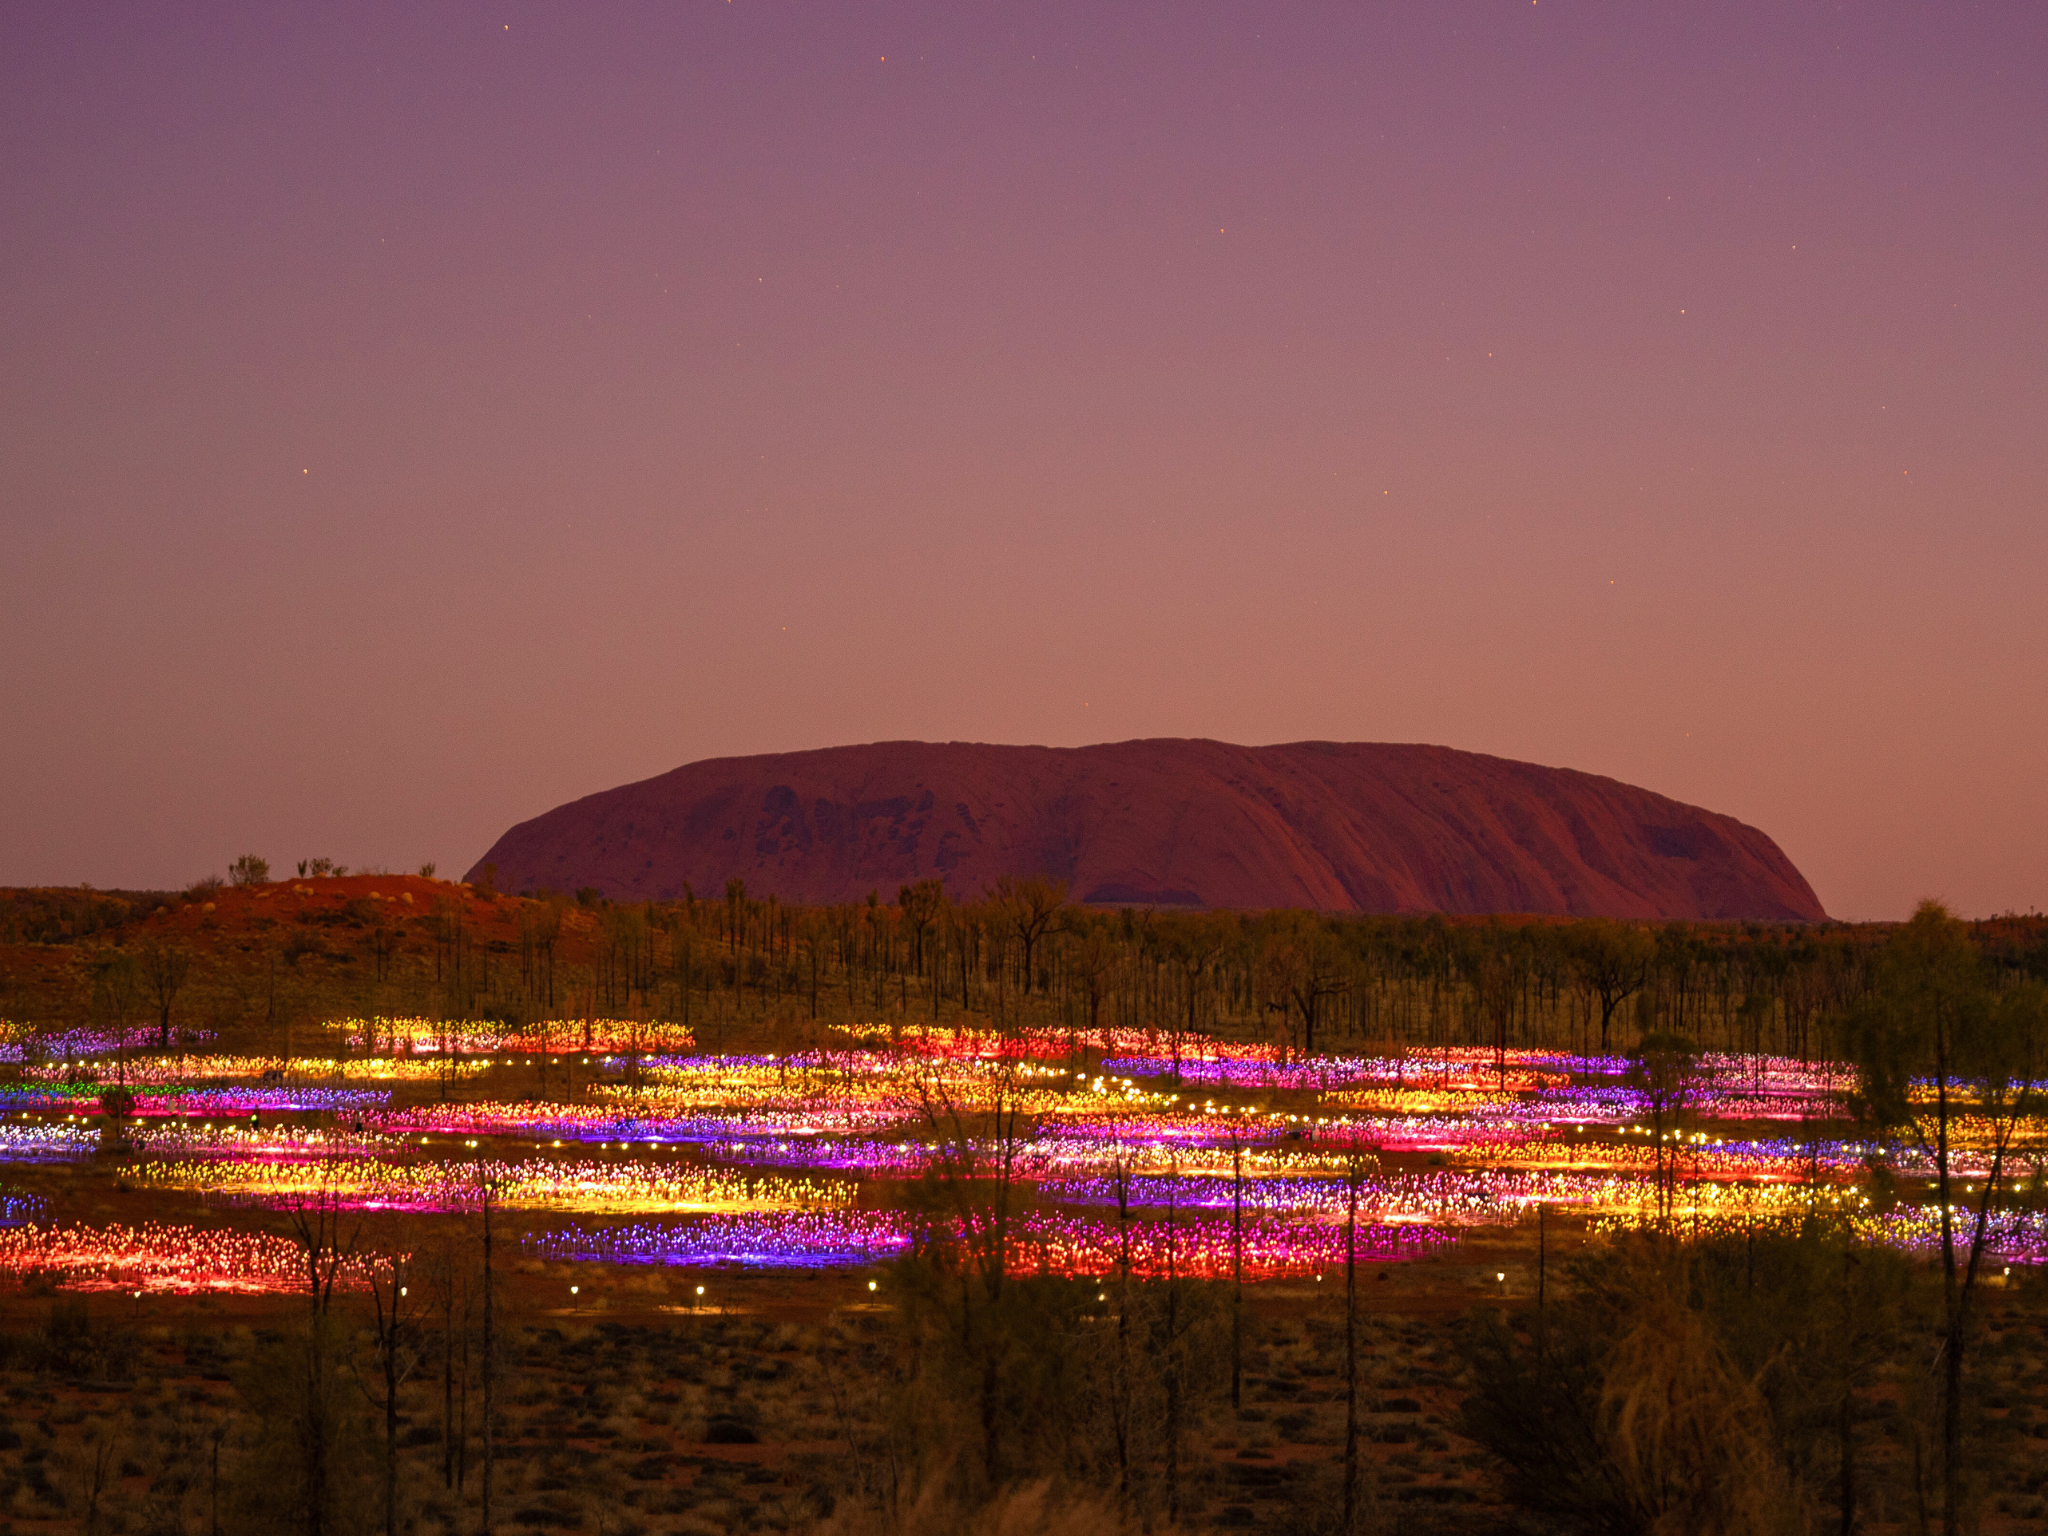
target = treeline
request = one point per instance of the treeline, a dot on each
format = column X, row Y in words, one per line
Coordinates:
column 1025, row 955
column 1022, row 956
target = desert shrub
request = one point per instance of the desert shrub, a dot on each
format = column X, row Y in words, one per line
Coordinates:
column 1687, row 1389
column 117, row 1108
column 309, row 1454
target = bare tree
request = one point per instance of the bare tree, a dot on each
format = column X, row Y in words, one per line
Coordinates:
column 1195, row 945
column 164, row 969
column 96, row 1473
column 1354, row 1175
column 1029, row 908
column 116, row 987
column 1304, row 966
column 327, row 1236
column 1236, row 1267
column 486, row 1198
column 327, row 1240
column 1122, row 1170
column 1091, row 963
column 978, row 1178
column 1614, row 959
column 452, row 1297
column 395, row 1320
column 1665, row 1071
column 920, row 905
column 1935, row 1023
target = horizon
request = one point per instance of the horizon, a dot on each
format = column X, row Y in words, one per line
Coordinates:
column 468, row 866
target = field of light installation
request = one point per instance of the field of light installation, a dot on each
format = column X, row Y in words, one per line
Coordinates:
column 1130, row 1151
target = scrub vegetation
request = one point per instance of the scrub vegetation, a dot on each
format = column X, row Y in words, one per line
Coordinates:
column 1788, row 1364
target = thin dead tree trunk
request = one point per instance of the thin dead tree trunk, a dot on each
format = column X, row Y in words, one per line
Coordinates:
column 1351, row 1350
column 1237, row 1272
column 484, row 1191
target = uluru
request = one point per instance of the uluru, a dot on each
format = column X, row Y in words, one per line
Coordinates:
column 1335, row 826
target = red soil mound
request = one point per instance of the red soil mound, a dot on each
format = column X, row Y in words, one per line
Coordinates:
column 1340, row 827
column 227, row 918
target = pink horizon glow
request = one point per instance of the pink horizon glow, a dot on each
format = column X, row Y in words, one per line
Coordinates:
column 416, row 418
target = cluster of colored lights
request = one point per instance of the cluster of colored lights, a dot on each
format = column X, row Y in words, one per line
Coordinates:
column 305, row 1099
column 1167, row 1124
column 1035, row 1044
column 54, row 1141
column 624, row 1119
column 1038, row 1243
column 156, row 1257
column 192, row 1103
column 2011, row 1237
column 1539, row 1084
column 17, row 1208
column 814, row 1239
column 1449, row 1197
column 25, row 1043
column 1704, row 1210
column 1212, row 1248
column 174, row 1071
column 443, row 1184
column 238, row 1141
column 76, row 1135
column 554, row 1037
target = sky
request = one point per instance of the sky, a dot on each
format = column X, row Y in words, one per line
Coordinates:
column 414, row 417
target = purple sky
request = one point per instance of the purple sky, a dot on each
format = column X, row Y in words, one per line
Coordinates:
column 412, row 417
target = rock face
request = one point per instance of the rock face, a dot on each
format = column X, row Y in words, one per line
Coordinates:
column 1341, row 827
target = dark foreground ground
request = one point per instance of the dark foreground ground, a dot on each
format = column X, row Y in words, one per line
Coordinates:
column 635, row 1412
column 767, row 1408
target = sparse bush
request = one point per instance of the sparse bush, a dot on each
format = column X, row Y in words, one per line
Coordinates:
column 249, row 869
column 311, row 1458
column 117, row 1108
column 1689, row 1388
